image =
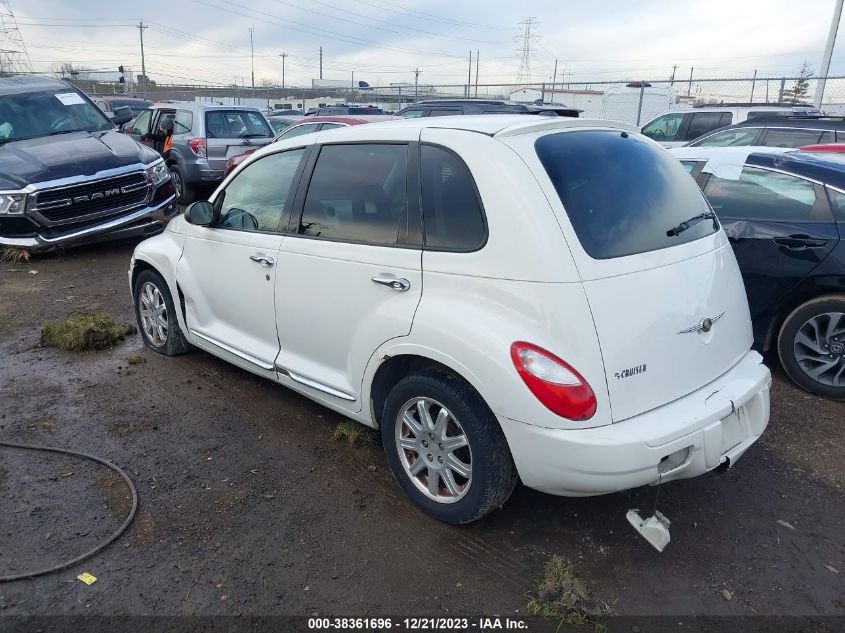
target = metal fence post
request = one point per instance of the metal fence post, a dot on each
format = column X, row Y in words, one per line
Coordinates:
column 640, row 106
column 780, row 94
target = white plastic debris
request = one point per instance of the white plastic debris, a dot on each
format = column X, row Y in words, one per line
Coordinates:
column 654, row 529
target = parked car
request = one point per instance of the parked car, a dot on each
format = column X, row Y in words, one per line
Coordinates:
column 837, row 148
column 474, row 287
column 780, row 210
column 679, row 127
column 204, row 137
column 791, row 132
column 343, row 110
column 68, row 176
column 307, row 126
column 280, row 122
column 109, row 104
column 452, row 107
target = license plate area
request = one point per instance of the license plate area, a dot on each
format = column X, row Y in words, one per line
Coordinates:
column 734, row 429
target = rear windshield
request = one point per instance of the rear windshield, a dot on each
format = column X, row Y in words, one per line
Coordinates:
column 236, row 124
column 621, row 192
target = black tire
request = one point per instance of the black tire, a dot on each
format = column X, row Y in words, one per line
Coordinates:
column 184, row 194
column 835, row 347
column 175, row 342
column 493, row 473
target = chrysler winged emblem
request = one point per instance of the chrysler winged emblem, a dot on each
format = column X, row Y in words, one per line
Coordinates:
column 705, row 325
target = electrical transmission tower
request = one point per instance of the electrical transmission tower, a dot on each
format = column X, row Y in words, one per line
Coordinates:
column 13, row 55
column 525, row 38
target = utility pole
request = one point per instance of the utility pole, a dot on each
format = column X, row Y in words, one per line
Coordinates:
column 672, row 80
column 321, row 62
column 141, row 28
column 283, row 55
column 469, row 76
column 477, row 55
column 417, row 72
column 689, row 88
column 554, row 79
column 824, row 69
column 252, row 55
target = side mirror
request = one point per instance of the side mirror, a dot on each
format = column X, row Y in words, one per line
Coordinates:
column 122, row 116
column 200, row 213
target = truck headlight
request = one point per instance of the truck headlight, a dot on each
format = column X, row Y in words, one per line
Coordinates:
column 12, row 203
column 158, row 173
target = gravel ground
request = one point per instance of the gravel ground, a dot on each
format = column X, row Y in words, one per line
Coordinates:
column 247, row 506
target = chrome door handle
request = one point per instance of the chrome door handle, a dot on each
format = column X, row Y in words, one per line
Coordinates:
column 401, row 284
column 264, row 260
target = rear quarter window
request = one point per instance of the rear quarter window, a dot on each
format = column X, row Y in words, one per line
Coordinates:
column 621, row 192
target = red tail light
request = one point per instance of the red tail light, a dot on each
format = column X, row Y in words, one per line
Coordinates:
column 553, row 382
column 197, row 146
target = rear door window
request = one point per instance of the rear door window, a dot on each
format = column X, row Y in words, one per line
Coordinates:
column 780, row 137
column 365, row 204
column 183, row 122
column 703, row 122
column 760, row 194
column 452, row 213
column 622, row 194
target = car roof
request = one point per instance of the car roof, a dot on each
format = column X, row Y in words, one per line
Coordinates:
column 350, row 119
column 501, row 125
column 837, row 123
column 18, row 84
column 193, row 105
column 822, row 167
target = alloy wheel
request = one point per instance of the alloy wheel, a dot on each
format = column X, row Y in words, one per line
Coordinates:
column 819, row 348
column 433, row 450
column 153, row 311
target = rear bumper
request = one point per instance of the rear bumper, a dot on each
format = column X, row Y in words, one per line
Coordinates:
column 138, row 223
column 715, row 423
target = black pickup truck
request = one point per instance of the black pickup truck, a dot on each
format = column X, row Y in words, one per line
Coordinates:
column 68, row 176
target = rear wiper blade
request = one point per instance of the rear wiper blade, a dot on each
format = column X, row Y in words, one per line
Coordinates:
column 688, row 224
column 254, row 135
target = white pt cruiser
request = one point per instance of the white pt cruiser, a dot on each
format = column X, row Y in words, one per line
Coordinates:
column 503, row 296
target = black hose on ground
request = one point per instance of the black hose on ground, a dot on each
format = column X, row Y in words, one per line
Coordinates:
column 102, row 545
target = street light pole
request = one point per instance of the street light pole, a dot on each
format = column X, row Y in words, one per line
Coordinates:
column 252, row 55
column 824, row 69
column 283, row 55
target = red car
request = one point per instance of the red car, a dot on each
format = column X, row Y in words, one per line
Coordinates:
column 306, row 126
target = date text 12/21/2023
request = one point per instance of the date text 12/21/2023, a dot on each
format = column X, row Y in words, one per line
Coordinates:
column 418, row 624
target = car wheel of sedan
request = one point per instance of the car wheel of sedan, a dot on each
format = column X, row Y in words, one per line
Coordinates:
column 156, row 315
column 184, row 194
column 446, row 449
column 811, row 346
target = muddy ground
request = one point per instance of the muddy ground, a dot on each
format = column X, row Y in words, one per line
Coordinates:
column 247, row 506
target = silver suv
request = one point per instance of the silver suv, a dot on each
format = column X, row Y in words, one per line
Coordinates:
column 205, row 136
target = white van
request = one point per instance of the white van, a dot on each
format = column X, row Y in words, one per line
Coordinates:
column 549, row 299
column 623, row 103
column 673, row 129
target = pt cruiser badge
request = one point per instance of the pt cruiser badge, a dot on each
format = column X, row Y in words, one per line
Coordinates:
column 705, row 325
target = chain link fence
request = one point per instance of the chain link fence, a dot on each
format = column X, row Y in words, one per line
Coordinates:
column 631, row 101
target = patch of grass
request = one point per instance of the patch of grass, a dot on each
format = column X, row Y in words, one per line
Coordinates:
column 10, row 255
column 565, row 598
column 136, row 359
column 84, row 331
column 355, row 434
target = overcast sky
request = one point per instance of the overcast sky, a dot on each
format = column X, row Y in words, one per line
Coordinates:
column 382, row 41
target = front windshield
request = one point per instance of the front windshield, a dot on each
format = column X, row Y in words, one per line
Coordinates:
column 34, row 114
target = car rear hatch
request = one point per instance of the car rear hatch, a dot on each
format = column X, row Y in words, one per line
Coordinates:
column 666, row 295
column 231, row 132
